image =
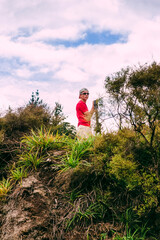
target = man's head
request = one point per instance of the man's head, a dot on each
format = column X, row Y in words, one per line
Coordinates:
column 84, row 94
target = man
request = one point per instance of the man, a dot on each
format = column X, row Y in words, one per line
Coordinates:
column 83, row 115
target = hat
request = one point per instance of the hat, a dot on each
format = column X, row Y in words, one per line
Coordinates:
column 83, row 90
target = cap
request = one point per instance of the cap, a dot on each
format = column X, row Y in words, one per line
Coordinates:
column 83, row 90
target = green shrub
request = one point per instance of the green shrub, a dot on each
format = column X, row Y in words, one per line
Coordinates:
column 106, row 143
column 151, row 189
column 64, row 128
column 124, row 170
column 24, row 119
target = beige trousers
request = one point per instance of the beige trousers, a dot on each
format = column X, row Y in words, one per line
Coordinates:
column 83, row 132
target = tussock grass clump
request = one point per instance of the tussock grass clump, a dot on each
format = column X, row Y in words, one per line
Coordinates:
column 42, row 141
column 80, row 150
column 38, row 144
column 5, row 187
column 18, row 173
column 30, row 160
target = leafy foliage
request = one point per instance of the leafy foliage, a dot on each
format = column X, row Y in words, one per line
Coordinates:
column 14, row 124
column 104, row 177
column 24, row 119
column 112, row 178
column 136, row 94
column 35, row 99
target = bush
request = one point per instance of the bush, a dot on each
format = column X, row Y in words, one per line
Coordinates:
column 125, row 170
column 115, row 179
column 106, row 143
column 24, row 119
column 15, row 123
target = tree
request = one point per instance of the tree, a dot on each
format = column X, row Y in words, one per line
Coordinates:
column 136, row 95
column 35, row 99
column 57, row 114
column 58, row 123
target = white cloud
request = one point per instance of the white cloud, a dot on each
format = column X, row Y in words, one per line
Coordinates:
column 67, row 18
column 26, row 26
column 65, row 33
column 23, row 72
column 71, row 73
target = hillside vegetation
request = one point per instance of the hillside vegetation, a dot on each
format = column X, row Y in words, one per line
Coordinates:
column 106, row 187
column 101, row 188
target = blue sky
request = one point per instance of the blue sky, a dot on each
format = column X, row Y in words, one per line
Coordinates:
column 59, row 47
column 93, row 38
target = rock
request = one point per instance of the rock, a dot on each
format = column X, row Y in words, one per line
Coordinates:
column 28, row 212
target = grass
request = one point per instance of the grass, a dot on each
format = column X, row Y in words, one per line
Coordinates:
column 81, row 216
column 18, row 173
column 30, row 160
column 132, row 232
column 74, row 195
column 33, row 152
column 42, row 141
column 80, row 151
column 5, row 187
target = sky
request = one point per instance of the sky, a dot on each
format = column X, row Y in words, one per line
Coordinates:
column 61, row 46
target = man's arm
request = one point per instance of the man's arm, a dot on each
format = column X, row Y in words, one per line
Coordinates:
column 89, row 114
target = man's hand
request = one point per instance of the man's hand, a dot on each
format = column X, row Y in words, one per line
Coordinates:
column 95, row 102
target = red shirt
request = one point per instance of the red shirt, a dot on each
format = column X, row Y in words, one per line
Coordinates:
column 81, row 108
